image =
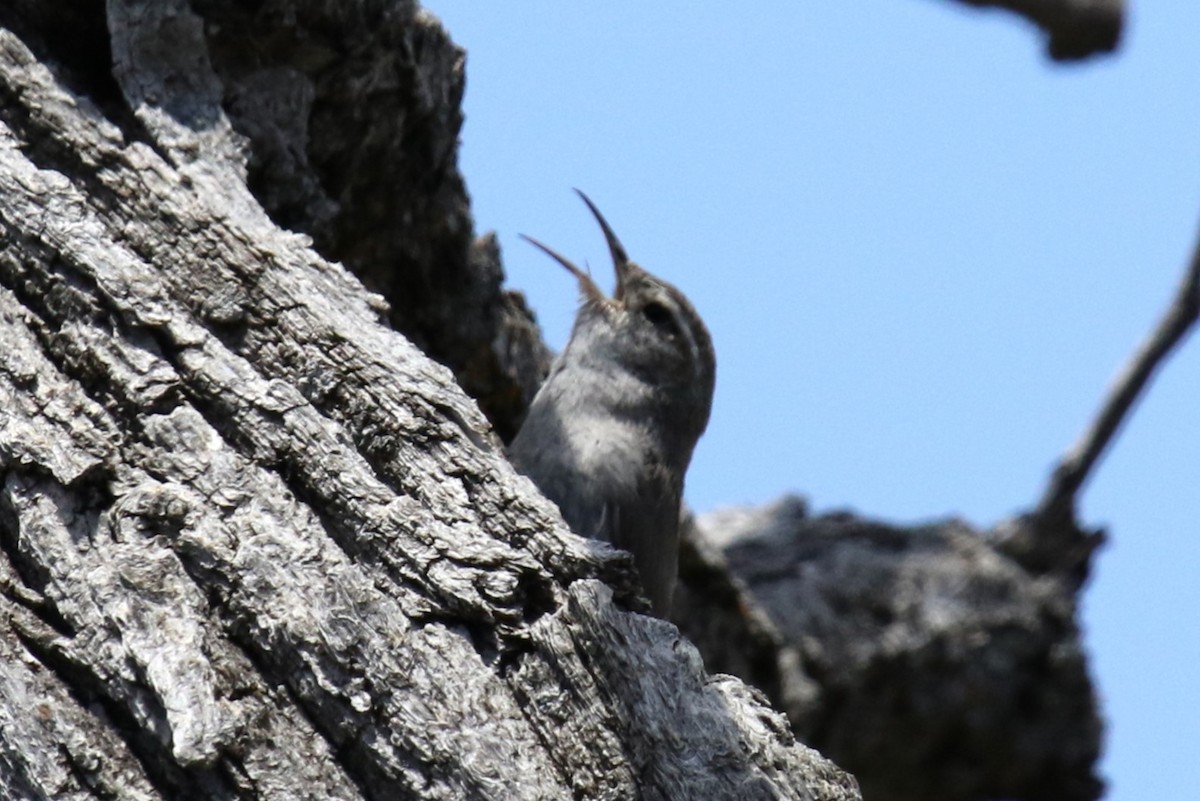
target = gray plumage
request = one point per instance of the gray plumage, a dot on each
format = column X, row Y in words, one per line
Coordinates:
column 610, row 433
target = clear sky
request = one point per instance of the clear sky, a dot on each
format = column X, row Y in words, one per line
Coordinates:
column 923, row 252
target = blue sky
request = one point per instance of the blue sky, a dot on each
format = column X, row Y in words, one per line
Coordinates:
column 923, row 252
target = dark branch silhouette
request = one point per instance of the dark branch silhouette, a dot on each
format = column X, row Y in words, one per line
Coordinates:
column 1077, row 464
column 1075, row 29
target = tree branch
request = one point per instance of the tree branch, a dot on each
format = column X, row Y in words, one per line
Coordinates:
column 1058, row 503
column 1076, row 29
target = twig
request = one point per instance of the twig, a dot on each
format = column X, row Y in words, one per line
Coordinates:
column 1073, row 470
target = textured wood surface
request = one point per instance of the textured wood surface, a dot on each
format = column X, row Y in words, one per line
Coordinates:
column 254, row 543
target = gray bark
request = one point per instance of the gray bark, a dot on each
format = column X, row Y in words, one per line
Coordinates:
column 254, row 543
column 930, row 661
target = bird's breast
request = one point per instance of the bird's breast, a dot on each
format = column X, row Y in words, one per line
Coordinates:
column 607, row 448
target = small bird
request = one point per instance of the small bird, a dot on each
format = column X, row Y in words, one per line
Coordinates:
column 610, row 433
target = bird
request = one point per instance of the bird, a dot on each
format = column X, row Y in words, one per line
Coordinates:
column 610, row 433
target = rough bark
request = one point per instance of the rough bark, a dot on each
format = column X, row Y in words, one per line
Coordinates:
column 925, row 660
column 254, row 543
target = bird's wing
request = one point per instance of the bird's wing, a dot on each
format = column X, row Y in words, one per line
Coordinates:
column 646, row 523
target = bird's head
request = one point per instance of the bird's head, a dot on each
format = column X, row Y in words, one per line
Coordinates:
column 648, row 329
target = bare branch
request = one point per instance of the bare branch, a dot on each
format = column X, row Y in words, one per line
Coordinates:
column 1073, row 470
column 1077, row 29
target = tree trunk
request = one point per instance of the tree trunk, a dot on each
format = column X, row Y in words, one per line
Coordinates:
column 256, row 544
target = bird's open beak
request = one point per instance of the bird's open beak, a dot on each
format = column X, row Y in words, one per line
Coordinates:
column 621, row 263
column 591, row 292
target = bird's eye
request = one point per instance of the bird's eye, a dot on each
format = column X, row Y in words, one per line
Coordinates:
column 659, row 316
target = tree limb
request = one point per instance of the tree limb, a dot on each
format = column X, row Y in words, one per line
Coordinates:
column 1075, row 29
column 1058, row 502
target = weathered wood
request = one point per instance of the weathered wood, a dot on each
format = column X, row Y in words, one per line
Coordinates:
column 256, row 544
column 253, row 544
column 931, row 663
